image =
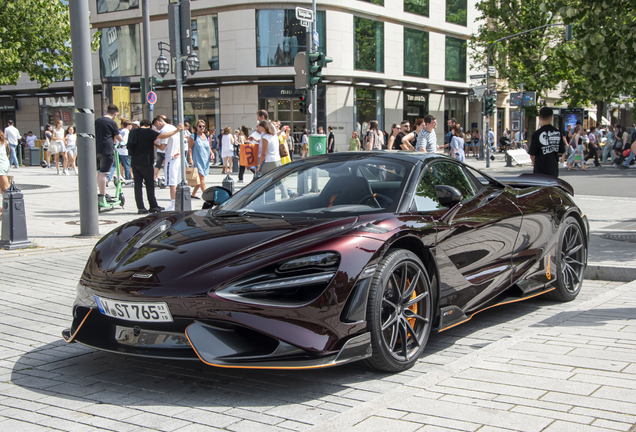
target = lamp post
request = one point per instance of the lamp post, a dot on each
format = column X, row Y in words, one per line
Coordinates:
column 162, row 66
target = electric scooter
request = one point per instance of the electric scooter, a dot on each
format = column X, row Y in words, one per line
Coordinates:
column 105, row 204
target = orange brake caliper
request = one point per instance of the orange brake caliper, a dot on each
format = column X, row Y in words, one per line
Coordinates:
column 414, row 307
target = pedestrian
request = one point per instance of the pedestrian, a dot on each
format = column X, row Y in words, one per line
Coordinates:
column 331, row 140
column 30, row 140
column 227, row 148
column 372, row 137
column 48, row 134
column 12, row 135
column 398, row 143
column 457, row 144
column 305, row 144
column 70, row 142
column 426, row 139
column 5, row 165
column 199, row 155
column 284, row 148
column 410, row 138
column 476, row 139
column 106, row 134
column 141, row 146
column 395, row 131
column 171, row 147
column 57, row 147
column 122, row 152
column 576, row 142
column 546, row 145
column 593, row 147
column 214, row 146
column 491, row 140
column 449, row 135
column 354, row 142
column 269, row 157
column 630, row 157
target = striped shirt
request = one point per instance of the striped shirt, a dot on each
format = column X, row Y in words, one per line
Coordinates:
column 427, row 140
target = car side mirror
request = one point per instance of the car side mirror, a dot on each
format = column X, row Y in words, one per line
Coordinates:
column 215, row 195
column 448, row 196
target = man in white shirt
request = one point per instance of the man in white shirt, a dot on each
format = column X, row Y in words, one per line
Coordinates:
column 13, row 136
column 172, row 163
column 30, row 139
column 427, row 140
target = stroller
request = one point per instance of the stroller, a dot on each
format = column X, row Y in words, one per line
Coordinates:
column 504, row 144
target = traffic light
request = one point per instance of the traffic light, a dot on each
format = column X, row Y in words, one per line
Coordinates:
column 489, row 105
column 142, row 88
column 314, row 69
column 155, row 82
column 303, row 104
column 323, row 60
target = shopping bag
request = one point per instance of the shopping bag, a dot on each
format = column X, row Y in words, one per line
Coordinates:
column 248, row 155
column 192, row 176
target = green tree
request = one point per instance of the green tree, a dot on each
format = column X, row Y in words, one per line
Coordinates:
column 35, row 39
column 602, row 54
column 528, row 59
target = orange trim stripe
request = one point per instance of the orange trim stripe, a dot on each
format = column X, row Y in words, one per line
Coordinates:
column 79, row 327
column 495, row 305
column 252, row 367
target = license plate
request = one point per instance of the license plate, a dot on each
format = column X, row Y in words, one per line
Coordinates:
column 133, row 311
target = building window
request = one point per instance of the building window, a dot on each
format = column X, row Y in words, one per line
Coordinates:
column 455, row 59
column 200, row 104
column 415, row 53
column 122, row 57
column 377, row 2
column 205, row 41
column 419, row 7
column 369, row 105
column 369, row 45
column 456, row 11
column 279, row 36
column 104, row 6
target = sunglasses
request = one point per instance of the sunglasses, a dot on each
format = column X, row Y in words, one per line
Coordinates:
column 201, row 126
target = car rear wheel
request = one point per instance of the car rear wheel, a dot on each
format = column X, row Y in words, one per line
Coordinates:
column 399, row 312
column 570, row 262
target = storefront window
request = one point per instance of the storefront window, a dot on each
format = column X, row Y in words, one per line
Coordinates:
column 455, row 107
column 415, row 53
column 104, row 6
column 369, row 44
column 200, row 104
column 369, row 105
column 119, row 51
column 205, row 41
column 419, row 7
column 53, row 109
column 415, row 106
column 455, row 59
column 456, row 11
column 279, row 36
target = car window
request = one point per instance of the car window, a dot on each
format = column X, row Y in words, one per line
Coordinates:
column 479, row 179
column 441, row 173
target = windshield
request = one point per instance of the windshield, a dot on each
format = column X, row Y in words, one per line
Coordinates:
column 319, row 187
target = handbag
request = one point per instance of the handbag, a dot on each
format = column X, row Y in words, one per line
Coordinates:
column 192, row 176
column 282, row 149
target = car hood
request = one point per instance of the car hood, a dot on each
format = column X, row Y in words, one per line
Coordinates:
column 533, row 180
column 194, row 244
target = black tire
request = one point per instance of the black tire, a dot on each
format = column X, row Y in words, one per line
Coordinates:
column 570, row 262
column 400, row 302
column 122, row 199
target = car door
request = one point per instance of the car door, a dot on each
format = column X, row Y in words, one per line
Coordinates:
column 473, row 249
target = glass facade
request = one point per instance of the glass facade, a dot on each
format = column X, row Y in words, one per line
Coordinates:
column 419, row 7
column 104, row 6
column 369, row 44
column 415, row 53
column 120, row 51
column 205, row 41
column 369, row 105
column 456, row 12
column 200, row 104
column 279, row 36
column 455, row 59
column 378, row 2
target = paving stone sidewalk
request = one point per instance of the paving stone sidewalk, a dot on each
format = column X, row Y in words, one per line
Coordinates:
column 532, row 366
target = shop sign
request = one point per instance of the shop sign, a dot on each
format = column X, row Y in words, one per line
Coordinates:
column 415, row 98
column 8, row 105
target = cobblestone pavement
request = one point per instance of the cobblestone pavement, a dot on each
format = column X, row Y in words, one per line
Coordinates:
column 529, row 366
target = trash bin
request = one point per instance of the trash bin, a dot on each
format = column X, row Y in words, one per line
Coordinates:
column 33, row 156
column 317, row 145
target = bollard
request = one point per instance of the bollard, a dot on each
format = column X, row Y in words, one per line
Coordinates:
column 508, row 160
column 235, row 164
column 14, row 229
column 228, row 184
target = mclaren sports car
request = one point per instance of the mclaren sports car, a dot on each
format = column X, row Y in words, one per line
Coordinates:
column 329, row 260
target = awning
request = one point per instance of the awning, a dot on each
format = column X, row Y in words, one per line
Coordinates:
column 592, row 115
column 605, row 121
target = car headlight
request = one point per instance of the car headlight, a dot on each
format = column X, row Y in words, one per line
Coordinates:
column 153, row 233
column 326, row 259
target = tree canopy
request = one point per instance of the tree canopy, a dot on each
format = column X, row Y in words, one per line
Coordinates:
column 602, row 54
column 35, row 39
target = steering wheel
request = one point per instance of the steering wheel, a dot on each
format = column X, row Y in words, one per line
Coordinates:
column 375, row 197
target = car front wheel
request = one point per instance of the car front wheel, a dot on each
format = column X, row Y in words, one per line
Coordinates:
column 399, row 312
column 571, row 262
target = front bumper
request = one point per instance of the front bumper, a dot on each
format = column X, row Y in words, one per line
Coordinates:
column 219, row 344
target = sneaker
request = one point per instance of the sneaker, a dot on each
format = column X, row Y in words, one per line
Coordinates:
column 240, row 181
column 170, row 208
column 76, row 173
column 58, row 172
column 156, row 209
column 142, row 211
column 65, row 172
column 110, row 198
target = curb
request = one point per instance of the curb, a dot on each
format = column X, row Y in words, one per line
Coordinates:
column 610, row 273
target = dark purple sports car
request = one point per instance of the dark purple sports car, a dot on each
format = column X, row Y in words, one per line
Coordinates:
column 329, row 260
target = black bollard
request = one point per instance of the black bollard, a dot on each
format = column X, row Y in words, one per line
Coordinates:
column 228, row 184
column 235, row 165
column 14, row 229
column 508, row 160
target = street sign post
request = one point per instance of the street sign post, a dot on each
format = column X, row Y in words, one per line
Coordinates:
column 478, row 77
column 305, row 23
column 492, row 71
column 529, row 99
column 304, row 14
column 316, row 38
column 151, row 97
column 478, row 90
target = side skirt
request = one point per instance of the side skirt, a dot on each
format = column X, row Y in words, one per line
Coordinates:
column 452, row 316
